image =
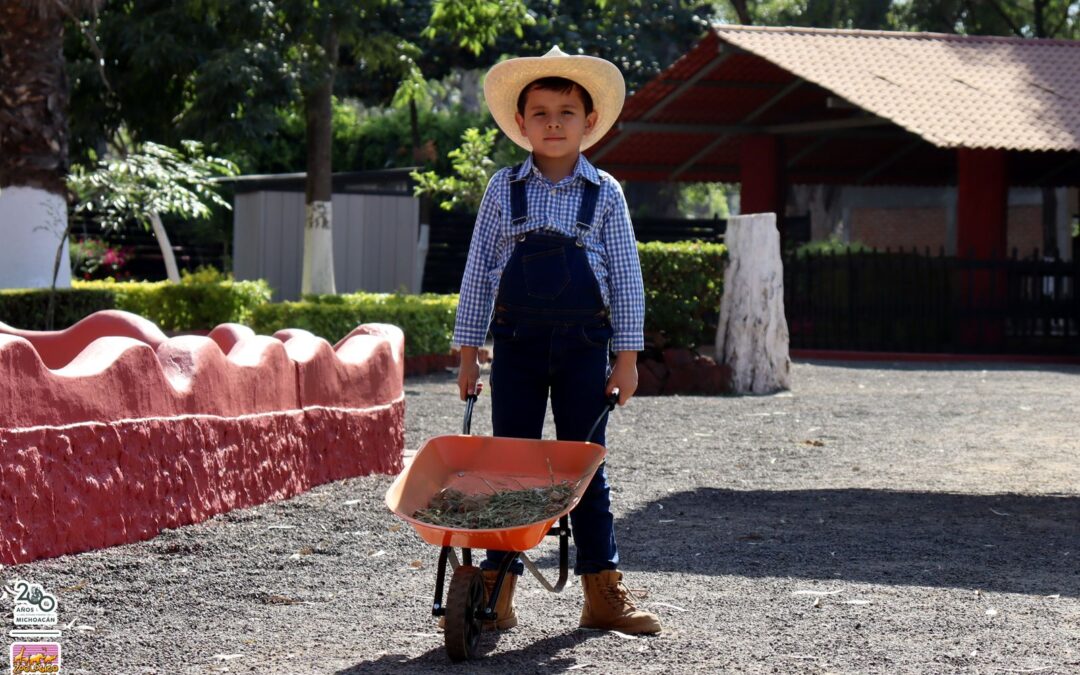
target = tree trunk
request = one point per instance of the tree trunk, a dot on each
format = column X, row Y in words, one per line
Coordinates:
column 414, row 125
column 742, row 11
column 752, row 335
column 33, row 144
column 33, row 98
column 318, row 270
column 166, row 248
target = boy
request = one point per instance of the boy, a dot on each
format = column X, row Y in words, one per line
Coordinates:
column 554, row 253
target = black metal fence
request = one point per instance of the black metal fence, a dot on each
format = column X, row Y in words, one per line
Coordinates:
column 918, row 302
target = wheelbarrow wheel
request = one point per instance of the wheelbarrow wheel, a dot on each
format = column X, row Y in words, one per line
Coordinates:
column 464, row 605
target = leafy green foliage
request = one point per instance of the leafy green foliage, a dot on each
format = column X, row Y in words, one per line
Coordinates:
column 642, row 37
column 705, row 200
column 684, row 282
column 473, row 164
column 26, row 308
column 478, row 23
column 1026, row 18
column 202, row 299
column 426, row 319
column 1029, row 18
column 362, row 140
column 831, row 246
column 153, row 179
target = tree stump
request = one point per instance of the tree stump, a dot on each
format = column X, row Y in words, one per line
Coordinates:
column 752, row 336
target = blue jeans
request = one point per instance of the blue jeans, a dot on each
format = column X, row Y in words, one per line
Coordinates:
column 571, row 361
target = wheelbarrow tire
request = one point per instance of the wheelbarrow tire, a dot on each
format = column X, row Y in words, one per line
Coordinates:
column 464, row 606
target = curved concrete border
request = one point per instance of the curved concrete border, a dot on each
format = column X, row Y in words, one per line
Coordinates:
column 111, row 432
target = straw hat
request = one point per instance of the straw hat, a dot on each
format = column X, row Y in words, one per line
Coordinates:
column 600, row 78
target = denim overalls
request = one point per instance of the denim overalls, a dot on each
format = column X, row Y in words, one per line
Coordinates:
column 551, row 331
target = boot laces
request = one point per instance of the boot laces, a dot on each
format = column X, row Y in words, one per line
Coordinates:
column 620, row 596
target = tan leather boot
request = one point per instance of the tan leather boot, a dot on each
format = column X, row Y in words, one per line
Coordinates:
column 504, row 607
column 505, row 615
column 609, row 605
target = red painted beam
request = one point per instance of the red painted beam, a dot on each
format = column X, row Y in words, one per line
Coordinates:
column 981, row 217
column 982, row 203
column 760, row 175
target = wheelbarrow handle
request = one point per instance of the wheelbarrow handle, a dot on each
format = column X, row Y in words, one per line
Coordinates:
column 470, row 401
column 612, row 401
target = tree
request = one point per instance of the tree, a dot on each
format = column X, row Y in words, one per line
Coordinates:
column 33, row 138
column 329, row 25
column 861, row 14
column 225, row 71
column 150, row 181
column 474, row 167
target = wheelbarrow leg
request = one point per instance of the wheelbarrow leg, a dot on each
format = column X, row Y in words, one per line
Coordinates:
column 437, row 608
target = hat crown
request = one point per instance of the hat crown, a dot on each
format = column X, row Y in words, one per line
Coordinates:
column 601, row 78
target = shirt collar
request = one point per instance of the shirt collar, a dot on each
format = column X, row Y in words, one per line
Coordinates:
column 583, row 169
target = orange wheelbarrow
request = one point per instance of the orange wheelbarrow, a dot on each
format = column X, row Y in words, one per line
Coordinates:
column 476, row 464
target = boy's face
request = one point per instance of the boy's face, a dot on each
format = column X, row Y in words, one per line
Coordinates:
column 555, row 123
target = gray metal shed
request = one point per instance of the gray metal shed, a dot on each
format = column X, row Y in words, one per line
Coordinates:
column 378, row 242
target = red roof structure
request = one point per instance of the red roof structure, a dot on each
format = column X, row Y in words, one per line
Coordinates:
column 855, row 108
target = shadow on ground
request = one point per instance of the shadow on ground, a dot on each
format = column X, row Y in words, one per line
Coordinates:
column 1004, row 542
column 547, row 654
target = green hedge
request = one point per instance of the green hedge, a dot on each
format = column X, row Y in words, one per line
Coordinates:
column 201, row 300
column 683, row 285
column 426, row 319
column 684, row 282
column 25, row 308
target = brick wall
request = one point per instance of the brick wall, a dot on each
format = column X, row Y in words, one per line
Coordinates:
column 896, row 228
column 927, row 228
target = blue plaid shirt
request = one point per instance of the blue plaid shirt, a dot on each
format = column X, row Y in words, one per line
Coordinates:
column 609, row 246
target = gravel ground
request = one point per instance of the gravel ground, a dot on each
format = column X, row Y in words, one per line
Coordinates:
column 876, row 519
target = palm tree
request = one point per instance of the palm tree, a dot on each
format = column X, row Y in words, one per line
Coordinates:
column 33, row 139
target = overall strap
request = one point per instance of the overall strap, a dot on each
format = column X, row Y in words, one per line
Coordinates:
column 590, row 194
column 519, row 207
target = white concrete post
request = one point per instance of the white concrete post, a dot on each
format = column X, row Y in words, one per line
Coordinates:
column 32, row 221
column 752, row 337
column 317, row 275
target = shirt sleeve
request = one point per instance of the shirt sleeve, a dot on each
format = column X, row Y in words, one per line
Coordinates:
column 476, row 299
column 627, row 292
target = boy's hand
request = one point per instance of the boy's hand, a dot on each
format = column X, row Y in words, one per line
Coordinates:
column 623, row 376
column 468, row 378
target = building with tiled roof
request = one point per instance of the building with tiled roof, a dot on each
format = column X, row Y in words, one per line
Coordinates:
column 773, row 107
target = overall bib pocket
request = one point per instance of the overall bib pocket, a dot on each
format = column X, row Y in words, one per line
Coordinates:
column 546, row 273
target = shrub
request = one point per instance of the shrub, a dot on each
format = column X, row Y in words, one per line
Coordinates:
column 95, row 259
column 427, row 319
column 25, row 307
column 831, row 246
column 202, row 299
column 683, row 285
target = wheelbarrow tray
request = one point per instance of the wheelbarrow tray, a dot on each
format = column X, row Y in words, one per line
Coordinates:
column 475, row 465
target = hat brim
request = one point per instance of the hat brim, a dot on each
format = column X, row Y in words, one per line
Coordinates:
column 600, row 78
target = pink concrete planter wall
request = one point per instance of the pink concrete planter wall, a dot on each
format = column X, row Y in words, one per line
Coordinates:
column 110, row 432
